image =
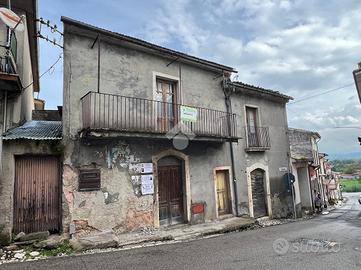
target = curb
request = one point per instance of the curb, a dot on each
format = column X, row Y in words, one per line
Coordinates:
column 229, row 228
column 147, row 240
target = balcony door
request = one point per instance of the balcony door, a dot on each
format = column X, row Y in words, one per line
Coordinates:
column 252, row 132
column 166, row 97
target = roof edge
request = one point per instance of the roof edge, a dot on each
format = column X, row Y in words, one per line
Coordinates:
column 262, row 90
column 306, row 131
column 147, row 44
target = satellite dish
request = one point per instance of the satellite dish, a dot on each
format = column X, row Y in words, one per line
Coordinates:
column 11, row 19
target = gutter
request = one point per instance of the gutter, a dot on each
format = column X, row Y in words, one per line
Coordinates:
column 229, row 111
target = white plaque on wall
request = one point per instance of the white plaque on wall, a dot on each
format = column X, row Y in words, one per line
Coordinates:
column 147, row 186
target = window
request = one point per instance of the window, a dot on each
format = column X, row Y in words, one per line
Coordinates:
column 252, row 130
column 251, row 114
column 166, row 95
column 89, row 179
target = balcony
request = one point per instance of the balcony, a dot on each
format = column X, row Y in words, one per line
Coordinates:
column 139, row 117
column 257, row 139
column 9, row 79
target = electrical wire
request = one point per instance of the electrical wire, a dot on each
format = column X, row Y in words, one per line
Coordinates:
column 320, row 94
column 46, row 71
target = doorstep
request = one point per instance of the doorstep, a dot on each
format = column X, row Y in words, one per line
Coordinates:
column 185, row 231
column 180, row 232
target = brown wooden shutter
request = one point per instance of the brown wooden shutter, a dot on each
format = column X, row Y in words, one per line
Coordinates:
column 89, row 179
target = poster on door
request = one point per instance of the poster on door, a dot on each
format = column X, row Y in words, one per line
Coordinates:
column 147, row 185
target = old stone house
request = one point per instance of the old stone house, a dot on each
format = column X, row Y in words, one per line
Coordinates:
column 152, row 137
column 147, row 135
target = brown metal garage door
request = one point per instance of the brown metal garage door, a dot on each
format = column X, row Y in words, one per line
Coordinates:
column 36, row 194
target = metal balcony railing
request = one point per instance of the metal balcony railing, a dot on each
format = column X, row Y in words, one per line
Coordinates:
column 130, row 114
column 258, row 138
column 6, row 65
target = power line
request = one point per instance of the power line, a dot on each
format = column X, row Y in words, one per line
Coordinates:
column 46, row 71
column 349, row 127
column 323, row 93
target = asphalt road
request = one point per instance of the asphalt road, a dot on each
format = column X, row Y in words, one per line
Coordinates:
column 330, row 241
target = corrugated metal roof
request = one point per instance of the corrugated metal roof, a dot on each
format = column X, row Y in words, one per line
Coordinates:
column 36, row 130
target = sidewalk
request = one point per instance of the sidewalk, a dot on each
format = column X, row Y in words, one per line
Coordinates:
column 176, row 233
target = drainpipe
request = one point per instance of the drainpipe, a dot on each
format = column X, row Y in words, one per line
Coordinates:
column 227, row 95
column 318, row 174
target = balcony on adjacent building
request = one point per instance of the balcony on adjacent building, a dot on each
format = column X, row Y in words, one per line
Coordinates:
column 138, row 117
column 257, row 139
column 9, row 77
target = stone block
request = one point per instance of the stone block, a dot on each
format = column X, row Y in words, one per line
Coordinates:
column 101, row 240
column 35, row 236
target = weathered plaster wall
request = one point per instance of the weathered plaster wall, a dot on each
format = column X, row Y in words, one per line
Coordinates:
column 10, row 150
column 129, row 72
column 118, row 205
column 271, row 114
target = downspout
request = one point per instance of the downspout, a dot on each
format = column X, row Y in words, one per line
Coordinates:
column 318, row 174
column 311, row 190
column 227, row 95
column 98, row 64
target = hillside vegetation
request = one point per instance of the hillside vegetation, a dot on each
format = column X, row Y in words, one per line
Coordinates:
column 346, row 166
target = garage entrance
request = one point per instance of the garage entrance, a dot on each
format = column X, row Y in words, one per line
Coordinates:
column 36, row 194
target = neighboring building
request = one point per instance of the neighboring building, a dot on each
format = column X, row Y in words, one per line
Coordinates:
column 19, row 79
column 264, row 153
column 331, row 180
column 324, row 177
column 305, row 168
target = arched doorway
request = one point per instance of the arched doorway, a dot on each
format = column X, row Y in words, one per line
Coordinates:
column 258, row 193
column 171, row 190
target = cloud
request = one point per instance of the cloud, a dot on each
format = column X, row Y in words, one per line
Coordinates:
column 298, row 47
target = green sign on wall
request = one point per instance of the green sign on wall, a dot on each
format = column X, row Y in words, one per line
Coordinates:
column 188, row 114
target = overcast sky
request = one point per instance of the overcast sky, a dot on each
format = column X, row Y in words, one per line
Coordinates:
column 300, row 48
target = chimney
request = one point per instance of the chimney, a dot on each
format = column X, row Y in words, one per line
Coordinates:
column 39, row 104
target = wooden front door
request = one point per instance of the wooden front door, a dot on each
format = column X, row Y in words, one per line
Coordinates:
column 170, row 187
column 36, row 194
column 223, row 193
column 166, row 105
column 258, row 193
